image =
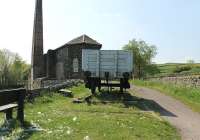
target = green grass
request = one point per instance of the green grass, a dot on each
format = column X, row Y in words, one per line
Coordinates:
column 60, row 119
column 188, row 95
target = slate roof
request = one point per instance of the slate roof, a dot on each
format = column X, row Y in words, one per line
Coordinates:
column 83, row 39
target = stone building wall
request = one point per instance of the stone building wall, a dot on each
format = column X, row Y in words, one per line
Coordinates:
column 64, row 64
column 50, row 64
column 61, row 65
column 75, row 52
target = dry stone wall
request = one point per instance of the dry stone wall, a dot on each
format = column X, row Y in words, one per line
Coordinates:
column 188, row 81
column 54, row 84
column 58, row 84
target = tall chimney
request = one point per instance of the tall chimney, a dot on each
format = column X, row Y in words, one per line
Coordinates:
column 37, row 58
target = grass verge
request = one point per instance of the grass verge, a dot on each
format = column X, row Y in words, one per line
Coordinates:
column 188, row 95
column 56, row 118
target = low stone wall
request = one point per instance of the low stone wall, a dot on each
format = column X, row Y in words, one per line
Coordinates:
column 59, row 84
column 188, row 81
column 42, row 83
column 50, row 86
column 35, row 84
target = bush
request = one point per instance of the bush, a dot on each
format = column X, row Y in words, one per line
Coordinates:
column 179, row 69
column 151, row 70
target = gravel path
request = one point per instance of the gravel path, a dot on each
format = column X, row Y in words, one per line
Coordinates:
column 178, row 114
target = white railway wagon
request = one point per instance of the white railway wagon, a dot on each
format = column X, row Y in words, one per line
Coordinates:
column 114, row 62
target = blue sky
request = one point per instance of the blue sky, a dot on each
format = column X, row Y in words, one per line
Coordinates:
column 172, row 25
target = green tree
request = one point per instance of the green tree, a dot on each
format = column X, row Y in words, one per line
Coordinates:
column 142, row 55
column 6, row 59
column 13, row 69
column 19, row 69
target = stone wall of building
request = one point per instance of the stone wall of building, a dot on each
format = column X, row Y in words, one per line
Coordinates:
column 61, row 63
column 75, row 52
column 50, row 64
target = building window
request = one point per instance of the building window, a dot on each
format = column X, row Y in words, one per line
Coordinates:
column 75, row 65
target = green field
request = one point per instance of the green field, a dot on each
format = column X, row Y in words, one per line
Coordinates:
column 170, row 69
column 107, row 117
column 188, row 95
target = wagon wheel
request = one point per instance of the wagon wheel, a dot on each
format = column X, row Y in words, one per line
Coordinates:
column 99, row 84
column 121, row 89
column 121, row 85
column 93, row 87
column 99, row 88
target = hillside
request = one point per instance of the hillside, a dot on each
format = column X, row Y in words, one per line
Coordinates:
column 171, row 69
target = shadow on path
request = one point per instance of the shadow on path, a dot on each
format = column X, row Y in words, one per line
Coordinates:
column 132, row 101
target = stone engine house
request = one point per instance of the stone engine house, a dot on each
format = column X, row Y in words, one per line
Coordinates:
column 65, row 61
column 61, row 63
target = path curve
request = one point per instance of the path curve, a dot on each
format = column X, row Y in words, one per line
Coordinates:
column 184, row 119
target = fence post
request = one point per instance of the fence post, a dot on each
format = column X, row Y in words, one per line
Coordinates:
column 20, row 111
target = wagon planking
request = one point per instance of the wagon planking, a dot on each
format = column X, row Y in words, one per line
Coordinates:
column 107, row 65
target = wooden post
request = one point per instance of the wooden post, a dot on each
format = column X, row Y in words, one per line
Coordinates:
column 20, row 109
